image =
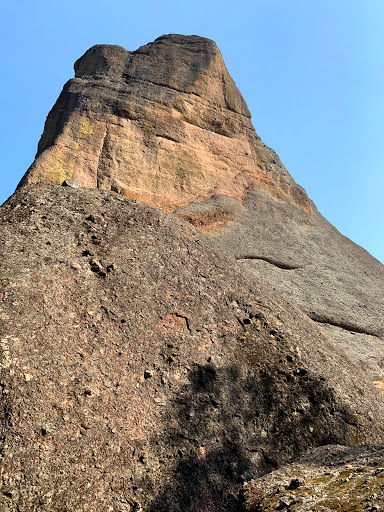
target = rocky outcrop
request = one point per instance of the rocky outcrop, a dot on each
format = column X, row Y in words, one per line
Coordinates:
column 327, row 479
column 142, row 369
column 167, row 125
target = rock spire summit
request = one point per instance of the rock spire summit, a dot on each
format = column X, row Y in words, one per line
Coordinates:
column 141, row 366
column 165, row 124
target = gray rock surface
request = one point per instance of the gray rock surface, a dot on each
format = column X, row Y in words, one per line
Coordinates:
column 141, row 368
column 71, row 183
column 302, row 256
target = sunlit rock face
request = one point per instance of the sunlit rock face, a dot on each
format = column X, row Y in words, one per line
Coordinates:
column 328, row 478
column 141, row 366
column 165, row 124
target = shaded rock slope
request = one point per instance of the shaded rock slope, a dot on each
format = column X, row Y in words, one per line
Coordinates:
column 166, row 124
column 143, row 369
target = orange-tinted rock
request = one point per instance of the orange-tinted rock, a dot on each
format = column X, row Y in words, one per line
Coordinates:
column 165, row 124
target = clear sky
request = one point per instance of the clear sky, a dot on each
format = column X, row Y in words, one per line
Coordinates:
column 311, row 71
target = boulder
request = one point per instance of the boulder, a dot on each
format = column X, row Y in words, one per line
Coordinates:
column 327, row 479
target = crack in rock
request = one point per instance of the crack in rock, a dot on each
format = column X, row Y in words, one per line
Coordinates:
column 320, row 319
column 278, row 264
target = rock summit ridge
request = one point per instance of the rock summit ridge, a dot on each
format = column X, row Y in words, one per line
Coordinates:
column 165, row 124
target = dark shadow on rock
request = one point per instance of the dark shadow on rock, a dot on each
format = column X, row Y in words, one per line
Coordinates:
column 225, row 429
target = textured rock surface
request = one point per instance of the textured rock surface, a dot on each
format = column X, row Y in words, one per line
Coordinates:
column 334, row 281
column 328, row 479
column 166, row 124
column 142, row 368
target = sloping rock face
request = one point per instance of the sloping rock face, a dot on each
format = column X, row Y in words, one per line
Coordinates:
column 142, row 369
column 302, row 256
column 167, row 125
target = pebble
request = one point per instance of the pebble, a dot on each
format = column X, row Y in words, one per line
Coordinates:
column 71, row 184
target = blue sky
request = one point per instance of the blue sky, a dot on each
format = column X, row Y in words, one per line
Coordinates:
column 311, row 71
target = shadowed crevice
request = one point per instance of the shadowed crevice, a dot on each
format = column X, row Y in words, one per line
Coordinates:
column 321, row 319
column 278, row 264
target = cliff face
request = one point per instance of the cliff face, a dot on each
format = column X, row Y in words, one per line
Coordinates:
column 165, row 124
column 302, row 256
